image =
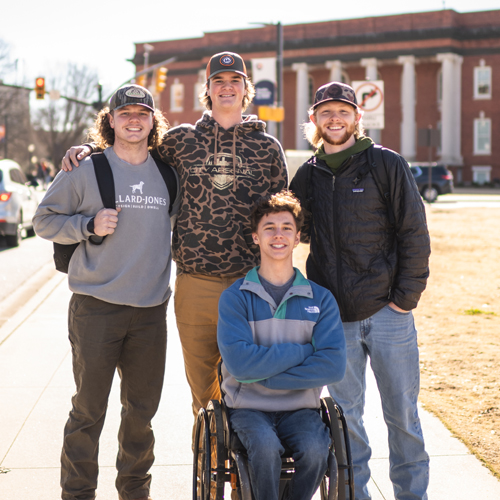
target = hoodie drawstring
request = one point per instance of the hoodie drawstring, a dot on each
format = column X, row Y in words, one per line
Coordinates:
column 234, row 157
column 216, row 154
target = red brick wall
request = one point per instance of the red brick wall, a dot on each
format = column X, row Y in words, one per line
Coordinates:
column 427, row 110
column 471, row 109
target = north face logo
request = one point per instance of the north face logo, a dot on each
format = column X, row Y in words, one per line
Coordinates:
column 312, row 309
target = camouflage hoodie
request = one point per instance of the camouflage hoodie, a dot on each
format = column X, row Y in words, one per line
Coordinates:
column 222, row 174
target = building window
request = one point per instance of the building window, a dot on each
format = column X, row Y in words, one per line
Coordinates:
column 440, row 86
column 481, row 175
column 482, row 82
column 482, row 135
column 198, row 89
column 311, row 90
column 177, row 96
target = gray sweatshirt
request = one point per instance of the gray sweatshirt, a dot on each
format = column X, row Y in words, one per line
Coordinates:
column 132, row 265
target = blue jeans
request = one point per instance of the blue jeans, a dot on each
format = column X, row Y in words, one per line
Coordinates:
column 262, row 433
column 389, row 338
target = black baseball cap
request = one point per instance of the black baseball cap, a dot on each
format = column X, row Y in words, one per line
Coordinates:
column 132, row 94
column 335, row 91
column 226, row 61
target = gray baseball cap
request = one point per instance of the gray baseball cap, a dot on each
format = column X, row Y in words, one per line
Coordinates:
column 132, row 94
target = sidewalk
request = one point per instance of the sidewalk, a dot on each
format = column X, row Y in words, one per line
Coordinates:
column 36, row 386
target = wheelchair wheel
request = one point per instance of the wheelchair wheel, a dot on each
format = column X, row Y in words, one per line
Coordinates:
column 209, row 454
column 341, row 479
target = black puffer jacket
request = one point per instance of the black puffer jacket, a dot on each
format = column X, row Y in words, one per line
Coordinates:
column 355, row 252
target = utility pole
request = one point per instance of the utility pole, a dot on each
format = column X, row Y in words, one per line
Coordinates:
column 279, row 67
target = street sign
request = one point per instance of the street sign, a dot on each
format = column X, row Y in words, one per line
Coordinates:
column 271, row 113
column 370, row 97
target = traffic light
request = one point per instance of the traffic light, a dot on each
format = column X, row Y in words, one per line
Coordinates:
column 141, row 80
column 161, row 79
column 40, row 87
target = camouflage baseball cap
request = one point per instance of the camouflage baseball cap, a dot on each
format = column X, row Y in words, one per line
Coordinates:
column 226, row 61
column 132, row 94
column 335, row 91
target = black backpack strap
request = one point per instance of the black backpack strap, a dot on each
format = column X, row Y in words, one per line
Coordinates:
column 105, row 179
column 381, row 177
column 170, row 179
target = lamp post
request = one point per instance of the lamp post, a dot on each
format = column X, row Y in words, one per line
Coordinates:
column 147, row 49
column 279, row 72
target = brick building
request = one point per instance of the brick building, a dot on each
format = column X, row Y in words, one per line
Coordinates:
column 440, row 69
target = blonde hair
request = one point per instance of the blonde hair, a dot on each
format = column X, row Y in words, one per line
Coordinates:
column 104, row 136
column 313, row 136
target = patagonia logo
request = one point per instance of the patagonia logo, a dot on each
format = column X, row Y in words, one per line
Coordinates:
column 358, row 190
column 226, row 60
column 312, row 309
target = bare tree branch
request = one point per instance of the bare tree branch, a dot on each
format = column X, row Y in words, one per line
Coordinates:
column 64, row 123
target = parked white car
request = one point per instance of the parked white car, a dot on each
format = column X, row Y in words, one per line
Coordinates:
column 18, row 203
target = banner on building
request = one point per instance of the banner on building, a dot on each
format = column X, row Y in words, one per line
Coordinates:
column 264, row 79
column 370, row 97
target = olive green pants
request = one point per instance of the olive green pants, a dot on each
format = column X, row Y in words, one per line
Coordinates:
column 106, row 337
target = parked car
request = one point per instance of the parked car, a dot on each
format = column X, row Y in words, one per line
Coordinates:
column 441, row 180
column 18, row 203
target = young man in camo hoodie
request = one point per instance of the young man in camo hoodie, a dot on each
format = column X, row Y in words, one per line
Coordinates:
column 225, row 162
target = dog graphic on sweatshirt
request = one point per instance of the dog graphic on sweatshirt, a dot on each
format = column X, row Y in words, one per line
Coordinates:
column 137, row 187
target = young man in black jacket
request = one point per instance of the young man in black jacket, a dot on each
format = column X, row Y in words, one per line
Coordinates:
column 370, row 247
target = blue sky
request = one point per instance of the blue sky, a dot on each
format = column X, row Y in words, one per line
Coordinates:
column 44, row 36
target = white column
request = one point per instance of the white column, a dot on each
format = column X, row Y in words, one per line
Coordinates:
column 371, row 73
column 408, row 123
column 458, row 111
column 301, row 104
column 335, row 68
column 451, row 65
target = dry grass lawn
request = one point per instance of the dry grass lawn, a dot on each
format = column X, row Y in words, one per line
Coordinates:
column 458, row 320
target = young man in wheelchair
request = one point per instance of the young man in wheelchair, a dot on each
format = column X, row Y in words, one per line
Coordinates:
column 281, row 340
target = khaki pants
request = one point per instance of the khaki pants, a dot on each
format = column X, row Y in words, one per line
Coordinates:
column 196, row 303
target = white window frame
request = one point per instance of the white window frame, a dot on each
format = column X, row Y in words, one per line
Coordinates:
column 176, row 87
column 478, row 172
column 477, row 72
column 477, row 136
column 197, row 89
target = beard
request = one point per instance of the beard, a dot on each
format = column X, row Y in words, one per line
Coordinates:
column 337, row 142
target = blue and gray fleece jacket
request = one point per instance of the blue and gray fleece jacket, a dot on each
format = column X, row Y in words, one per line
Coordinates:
column 278, row 357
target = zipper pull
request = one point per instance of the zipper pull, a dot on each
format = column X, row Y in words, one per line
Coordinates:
column 333, row 183
column 389, row 294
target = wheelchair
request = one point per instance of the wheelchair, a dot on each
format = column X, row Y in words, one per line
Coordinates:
column 220, row 458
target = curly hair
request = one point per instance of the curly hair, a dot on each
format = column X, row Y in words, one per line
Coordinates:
column 313, row 136
column 104, row 136
column 247, row 98
column 284, row 201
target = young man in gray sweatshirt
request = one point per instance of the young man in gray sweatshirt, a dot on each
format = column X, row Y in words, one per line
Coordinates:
column 117, row 314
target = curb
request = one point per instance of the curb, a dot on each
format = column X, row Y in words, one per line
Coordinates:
column 26, row 299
